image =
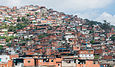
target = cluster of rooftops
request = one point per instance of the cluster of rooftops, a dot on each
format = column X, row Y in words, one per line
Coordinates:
column 35, row 32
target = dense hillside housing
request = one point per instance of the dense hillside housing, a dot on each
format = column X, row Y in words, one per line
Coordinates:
column 34, row 36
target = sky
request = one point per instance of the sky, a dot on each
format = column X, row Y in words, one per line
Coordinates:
column 98, row 10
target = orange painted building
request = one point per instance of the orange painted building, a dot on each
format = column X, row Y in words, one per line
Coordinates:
column 57, row 62
column 3, row 64
column 9, row 64
column 29, row 62
column 52, row 62
column 89, row 63
column 14, row 56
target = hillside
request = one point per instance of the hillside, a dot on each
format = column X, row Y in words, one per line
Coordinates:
column 32, row 31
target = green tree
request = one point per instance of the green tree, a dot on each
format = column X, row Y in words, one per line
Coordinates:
column 18, row 20
column 2, row 37
column 12, row 28
column 36, row 13
column 23, row 19
column 92, row 41
column 96, row 56
column 4, row 25
column 1, row 47
column 112, row 37
column 106, row 26
column 21, row 25
column 9, row 45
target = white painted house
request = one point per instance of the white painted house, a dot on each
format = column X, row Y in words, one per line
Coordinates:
column 4, row 58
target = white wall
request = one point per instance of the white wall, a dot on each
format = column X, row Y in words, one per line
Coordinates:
column 88, row 56
column 4, row 58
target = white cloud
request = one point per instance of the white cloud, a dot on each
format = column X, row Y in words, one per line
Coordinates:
column 62, row 4
column 91, row 15
column 106, row 16
column 13, row 2
column 80, row 4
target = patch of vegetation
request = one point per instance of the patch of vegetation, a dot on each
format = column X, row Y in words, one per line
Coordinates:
column 25, row 23
column 2, row 37
column 1, row 47
column 3, row 26
column 8, row 38
column 88, row 22
column 9, row 45
column 43, row 35
column 96, row 57
column 12, row 29
column 92, row 41
column 112, row 37
column 106, row 26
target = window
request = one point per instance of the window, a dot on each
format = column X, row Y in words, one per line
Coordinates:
column 74, row 60
column 45, row 60
column 89, row 51
column 0, row 59
column 28, row 61
column 6, row 58
column 58, row 64
column 52, row 60
column 69, row 61
column 93, row 62
column 40, row 60
column 81, row 62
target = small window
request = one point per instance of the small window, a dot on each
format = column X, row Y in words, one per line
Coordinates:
column 6, row 58
column 74, row 61
column 45, row 60
column 69, row 62
column 58, row 64
column 93, row 62
column 0, row 59
column 28, row 61
column 52, row 60
column 40, row 60
column 89, row 51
